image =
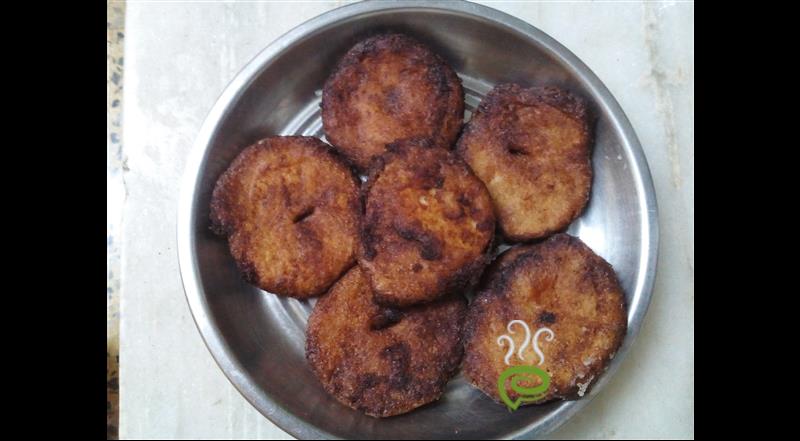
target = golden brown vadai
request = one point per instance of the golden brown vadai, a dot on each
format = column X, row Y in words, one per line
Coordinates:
column 563, row 286
column 532, row 149
column 428, row 227
column 290, row 209
column 390, row 87
column 381, row 361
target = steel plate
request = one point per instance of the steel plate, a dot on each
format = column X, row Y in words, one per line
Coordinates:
column 258, row 338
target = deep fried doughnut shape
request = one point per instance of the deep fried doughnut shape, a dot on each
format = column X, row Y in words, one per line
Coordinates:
column 291, row 211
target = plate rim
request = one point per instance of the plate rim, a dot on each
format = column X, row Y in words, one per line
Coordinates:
column 187, row 260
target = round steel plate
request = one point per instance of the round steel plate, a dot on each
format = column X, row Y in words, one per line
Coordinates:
column 258, row 338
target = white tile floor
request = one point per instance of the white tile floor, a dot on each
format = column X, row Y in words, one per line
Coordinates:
column 115, row 33
column 178, row 58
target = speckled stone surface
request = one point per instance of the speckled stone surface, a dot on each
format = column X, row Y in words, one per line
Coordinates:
column 115, row 34
column 181, row 55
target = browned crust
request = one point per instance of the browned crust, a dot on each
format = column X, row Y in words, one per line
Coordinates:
column 559, row 283
column 494, row 269
column 429, row 224
column 389, row 87
column 532, row 149
column 290, row 208
column 380, row 361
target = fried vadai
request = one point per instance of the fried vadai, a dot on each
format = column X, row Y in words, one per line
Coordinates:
column 382, row 361
column 532, row 149
column 290, row 209
column 429, row 224
column 389, row 87
column 561, row 288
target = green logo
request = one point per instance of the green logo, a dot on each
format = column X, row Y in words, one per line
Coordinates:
column 518, row 374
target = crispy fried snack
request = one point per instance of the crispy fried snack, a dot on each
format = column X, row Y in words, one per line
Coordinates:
column 494, row 269
column 428, row 227
column 532, row 149
column 559, row 284
column 386, row 88
column 290, row 209
column 380, row 361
